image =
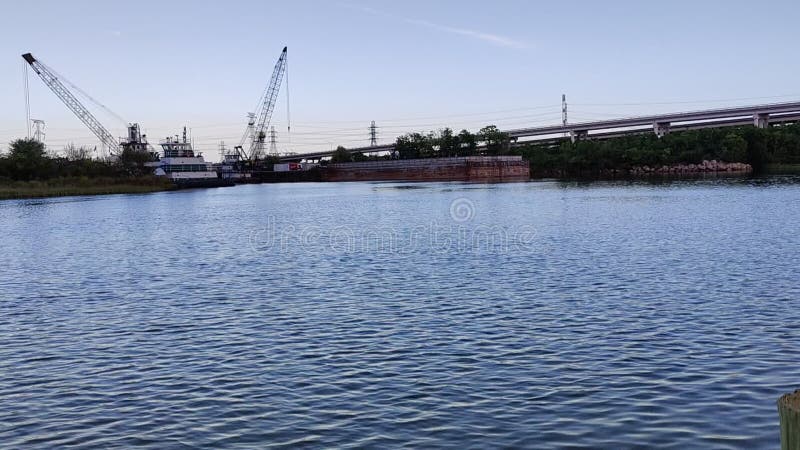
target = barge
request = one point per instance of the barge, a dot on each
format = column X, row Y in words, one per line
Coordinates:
column 471, row 168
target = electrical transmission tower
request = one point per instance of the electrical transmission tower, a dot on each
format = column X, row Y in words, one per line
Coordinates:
column 38, row 130
column 373, row 134
column 222, row 150
column 564, row 109
column 273, row 141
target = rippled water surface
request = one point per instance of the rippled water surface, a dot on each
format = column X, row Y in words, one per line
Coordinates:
column 538, row 315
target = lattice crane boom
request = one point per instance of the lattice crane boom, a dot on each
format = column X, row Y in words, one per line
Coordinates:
column 259, row 131
column 50, row 79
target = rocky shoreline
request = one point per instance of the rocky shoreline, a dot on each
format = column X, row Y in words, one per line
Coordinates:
column 712, row 166
column 704, row 168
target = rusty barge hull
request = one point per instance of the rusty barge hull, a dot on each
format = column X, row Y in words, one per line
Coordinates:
column 471, row 168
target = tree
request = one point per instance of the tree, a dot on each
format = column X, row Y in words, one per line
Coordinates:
column 466, row 143
column 448, row 143
column 133, row 162
column 404, row 148
column 341, row 155
column 29, row 149
column 28, row 160
column 734, row 148
column 74, row 153
column 496, row 141
column 757, row 149
column 414, row 145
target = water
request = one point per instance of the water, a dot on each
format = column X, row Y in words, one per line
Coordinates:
column 540, row 315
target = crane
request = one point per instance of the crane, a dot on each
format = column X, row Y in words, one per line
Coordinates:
column 51, row 79
column 256, row 131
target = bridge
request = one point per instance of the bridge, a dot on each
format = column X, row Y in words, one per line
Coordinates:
column 760, row 116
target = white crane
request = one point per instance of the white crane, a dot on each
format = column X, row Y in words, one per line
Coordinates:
column 52, row 81
column 256, row 131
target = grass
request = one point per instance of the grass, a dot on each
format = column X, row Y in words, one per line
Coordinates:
column 60, row 187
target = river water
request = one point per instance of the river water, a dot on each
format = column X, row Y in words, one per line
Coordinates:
column 375, row 315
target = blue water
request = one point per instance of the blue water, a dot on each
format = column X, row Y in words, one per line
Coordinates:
column 379, row 315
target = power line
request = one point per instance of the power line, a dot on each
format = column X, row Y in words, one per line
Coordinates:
column 343, row 132
column 392, row 123
column 313, row 134
column 688, row 102
column 447, row 116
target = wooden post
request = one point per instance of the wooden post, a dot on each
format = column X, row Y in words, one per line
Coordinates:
column 789, row 412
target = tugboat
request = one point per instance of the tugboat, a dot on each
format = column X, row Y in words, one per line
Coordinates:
column 185, row 168
column 232, row 167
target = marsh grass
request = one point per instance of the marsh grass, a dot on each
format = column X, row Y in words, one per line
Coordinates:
column 59, row 187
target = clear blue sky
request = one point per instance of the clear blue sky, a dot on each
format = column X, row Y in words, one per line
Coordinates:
column 411, row 65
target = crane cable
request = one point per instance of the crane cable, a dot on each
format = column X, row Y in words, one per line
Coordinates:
column 85, row 95
column 288, row 111
column 27, row 98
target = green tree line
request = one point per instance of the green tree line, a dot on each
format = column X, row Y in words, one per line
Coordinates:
column 446, row 143
column 778, row 145
column 28, row 160
column 761, row 148
column 438, row 144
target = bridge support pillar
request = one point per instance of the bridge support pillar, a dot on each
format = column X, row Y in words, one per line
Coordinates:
column 661, row 128
column 577, row 135
column 761, row 120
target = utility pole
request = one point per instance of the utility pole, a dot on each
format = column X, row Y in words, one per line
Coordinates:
column 38, row 132
column 273, row 141
column 373, row 135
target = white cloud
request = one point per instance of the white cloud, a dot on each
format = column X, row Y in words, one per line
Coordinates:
column 494, row 39
column 486, row 37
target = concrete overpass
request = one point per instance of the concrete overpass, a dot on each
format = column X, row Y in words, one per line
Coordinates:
column 774, row 119
column 661, row 124
column 758, row 115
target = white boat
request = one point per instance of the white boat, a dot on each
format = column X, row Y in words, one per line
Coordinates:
column 184, row 167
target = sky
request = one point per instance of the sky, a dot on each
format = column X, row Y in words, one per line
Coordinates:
column 409, row 66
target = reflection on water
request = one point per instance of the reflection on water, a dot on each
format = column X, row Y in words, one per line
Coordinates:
column 543, row 314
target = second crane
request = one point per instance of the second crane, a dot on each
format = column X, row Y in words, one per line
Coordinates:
column 258, row 123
